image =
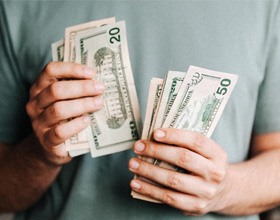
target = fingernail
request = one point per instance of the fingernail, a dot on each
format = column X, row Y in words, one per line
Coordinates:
column 133, row 164
column 99, row 86
column 139, row 146
column 89, row 72
column 135, row 185
column 159, row 134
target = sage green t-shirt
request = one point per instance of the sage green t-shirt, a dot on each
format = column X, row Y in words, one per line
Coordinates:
column 240, row 37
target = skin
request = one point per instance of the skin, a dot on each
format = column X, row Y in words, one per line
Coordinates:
column 41, row 155
column 212, row 185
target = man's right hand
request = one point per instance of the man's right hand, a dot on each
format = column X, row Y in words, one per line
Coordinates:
column 59, row 102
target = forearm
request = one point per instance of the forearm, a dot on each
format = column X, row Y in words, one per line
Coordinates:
column 251, row 186
column 25, row 175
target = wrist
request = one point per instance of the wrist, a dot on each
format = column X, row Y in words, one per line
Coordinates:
column 222, row 201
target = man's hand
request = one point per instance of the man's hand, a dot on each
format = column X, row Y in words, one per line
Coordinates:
column 195, row 192
column 59, row 101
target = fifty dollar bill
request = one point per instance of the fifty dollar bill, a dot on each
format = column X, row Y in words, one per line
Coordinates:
column 198, row 106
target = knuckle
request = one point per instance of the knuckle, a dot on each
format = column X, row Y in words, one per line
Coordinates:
column 149, row 192
column 54, row 90
column 146, row 170
column 49, row 67
column 56, row 111
column 154, row 149
column 29, row 109
column 183, row 158
column 200, row 207
column 210, row 192
column 58, row 133
column 36, row 127
column 219, row 175
column 33, row 91
column 174, row 181
column 215, row 174
column 169, row 198
column 199, row 140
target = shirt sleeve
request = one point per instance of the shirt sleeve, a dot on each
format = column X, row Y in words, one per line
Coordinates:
column 14, row 122
column 267, row 118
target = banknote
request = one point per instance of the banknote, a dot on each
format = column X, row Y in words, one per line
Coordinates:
column 172, row 85
column 198, row 106
column 57, row 55
column 78, row 144
column 162, row 94
column 155, row 92
column 162, row 103
column 201, row 100
column 71, row 32
column 153, row 101
column 58, row 50
column 116, row 127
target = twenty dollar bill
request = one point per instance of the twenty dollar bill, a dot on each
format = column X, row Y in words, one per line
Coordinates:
column 117, row 126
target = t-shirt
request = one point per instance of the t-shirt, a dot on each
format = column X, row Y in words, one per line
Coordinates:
column 239, row 37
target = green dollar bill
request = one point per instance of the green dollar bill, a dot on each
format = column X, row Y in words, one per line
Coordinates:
column 155, row 93
column 117, row 126
column 200, row 102
column 79, row 144
column 58, row 50
column 172, row 85
column 198, row 106
column 71, row 32
column 152, row 105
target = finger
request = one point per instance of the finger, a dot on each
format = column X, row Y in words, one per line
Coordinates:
column 63, row 90
column 64, row 110
column 187, row 203
column 180, row 157
column 64, row 131
column 191, row 140
column 55, row 71
column 178, row 181
column 32, row 109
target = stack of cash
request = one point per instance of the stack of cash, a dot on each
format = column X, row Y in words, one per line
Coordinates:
column 102, row 45
column 190, row 101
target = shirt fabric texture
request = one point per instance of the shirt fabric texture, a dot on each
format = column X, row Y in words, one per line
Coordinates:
column 239, row 37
